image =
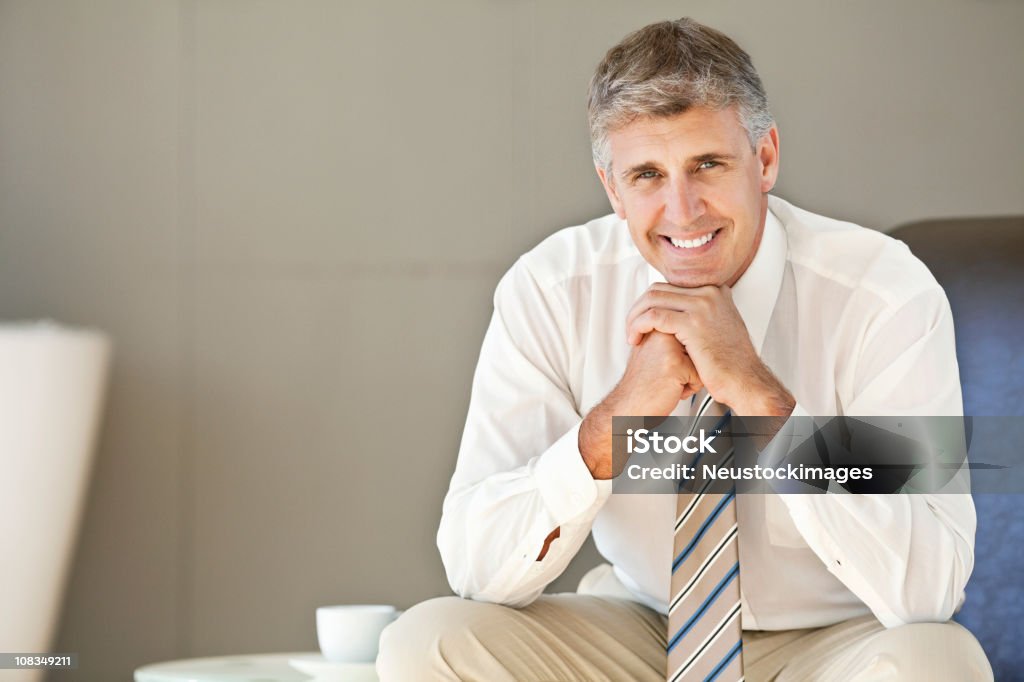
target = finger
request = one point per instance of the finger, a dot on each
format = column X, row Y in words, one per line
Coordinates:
column 691, row 389
column 699, row 300
column 659, row 296
column 641, row 326
column 639, row 307
column 659, row 319
column 651, row 300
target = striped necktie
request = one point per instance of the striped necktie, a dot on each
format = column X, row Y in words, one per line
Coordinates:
column 704, row 632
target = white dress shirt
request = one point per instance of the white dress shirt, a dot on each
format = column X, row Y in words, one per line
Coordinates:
column 846, row 317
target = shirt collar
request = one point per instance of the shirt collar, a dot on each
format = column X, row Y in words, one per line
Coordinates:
column 758, row 288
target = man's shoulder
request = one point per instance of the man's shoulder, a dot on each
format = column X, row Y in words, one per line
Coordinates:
column 852, row 256
column 579, row 250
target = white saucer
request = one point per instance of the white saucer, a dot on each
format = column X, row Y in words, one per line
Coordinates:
column 328, row 671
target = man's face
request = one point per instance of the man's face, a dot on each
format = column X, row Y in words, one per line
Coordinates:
column 693, row 192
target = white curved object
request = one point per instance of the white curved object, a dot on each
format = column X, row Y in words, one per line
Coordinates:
column 52, row 381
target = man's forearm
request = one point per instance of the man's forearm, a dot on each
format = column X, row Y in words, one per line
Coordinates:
column 595, row 441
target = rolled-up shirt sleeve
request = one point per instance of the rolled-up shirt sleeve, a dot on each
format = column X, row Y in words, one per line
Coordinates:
column 907, row 556
column 519, row 473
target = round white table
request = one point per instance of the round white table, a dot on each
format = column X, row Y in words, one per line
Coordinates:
column 252, row 668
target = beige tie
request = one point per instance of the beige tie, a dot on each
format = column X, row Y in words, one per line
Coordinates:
column 704, row 632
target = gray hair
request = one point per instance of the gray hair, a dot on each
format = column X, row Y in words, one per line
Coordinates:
column 665, row 69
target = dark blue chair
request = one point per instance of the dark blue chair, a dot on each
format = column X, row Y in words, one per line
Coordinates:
column 980, row 263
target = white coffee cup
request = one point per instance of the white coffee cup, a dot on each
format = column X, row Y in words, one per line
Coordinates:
column 351, row 633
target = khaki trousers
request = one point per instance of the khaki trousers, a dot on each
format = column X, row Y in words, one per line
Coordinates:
column 569, row 637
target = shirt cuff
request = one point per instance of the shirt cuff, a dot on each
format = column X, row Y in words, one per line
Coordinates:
column 789, row 435
column 564, row 481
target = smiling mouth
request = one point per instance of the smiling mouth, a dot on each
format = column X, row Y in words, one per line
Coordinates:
column 693, row 243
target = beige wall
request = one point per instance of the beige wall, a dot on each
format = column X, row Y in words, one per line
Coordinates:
column 291, row 216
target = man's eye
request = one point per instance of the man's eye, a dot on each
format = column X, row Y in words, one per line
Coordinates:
column 647, row 175
column 707, row 164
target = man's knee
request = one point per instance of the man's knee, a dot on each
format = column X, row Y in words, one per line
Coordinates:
column 926, row 651
column 425, row 641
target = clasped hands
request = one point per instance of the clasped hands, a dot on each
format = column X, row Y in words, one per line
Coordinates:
column 711, row 349
column 683, row 340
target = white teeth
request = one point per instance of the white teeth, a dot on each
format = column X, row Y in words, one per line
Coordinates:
column 692, row 243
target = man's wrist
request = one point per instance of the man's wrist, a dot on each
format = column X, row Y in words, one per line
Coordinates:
column 766, row 397
column 595, row 443
column 595, row 439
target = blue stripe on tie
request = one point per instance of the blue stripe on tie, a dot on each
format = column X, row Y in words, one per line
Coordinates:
column 716, row 427
column 703, row 529
column 725, row 662
column 735, row 571
column 697, row 461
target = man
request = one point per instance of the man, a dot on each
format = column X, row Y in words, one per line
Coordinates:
column 699, row 282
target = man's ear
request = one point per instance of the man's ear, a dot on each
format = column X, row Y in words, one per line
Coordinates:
column 609, row 189
column 768, row 155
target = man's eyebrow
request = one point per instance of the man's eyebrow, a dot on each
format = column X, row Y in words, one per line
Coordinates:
column 637, row 169
column 713, row 156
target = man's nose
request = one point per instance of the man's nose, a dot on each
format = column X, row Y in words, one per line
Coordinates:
column 684, row 204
